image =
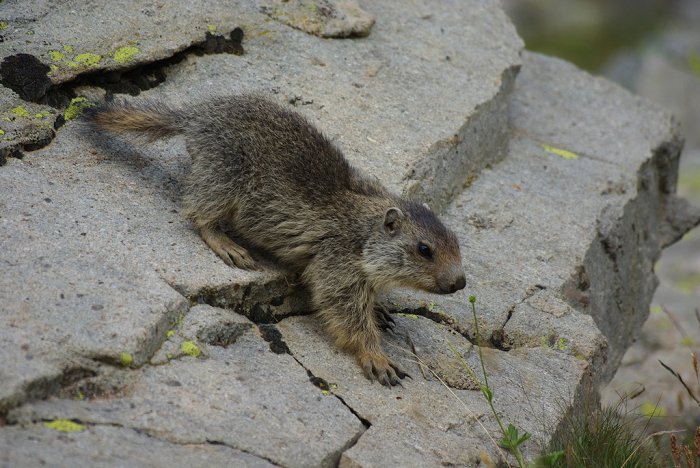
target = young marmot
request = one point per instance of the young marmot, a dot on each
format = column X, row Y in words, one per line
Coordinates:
column 284, row 188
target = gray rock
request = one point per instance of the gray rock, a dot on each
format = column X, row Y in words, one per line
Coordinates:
column 23, row 125
column 101, row 275
column 352, row 89
column 324, row 18
column 588, row 243
column 531, row 385
column 244, row 397
column 111, row 446
column 116, row 38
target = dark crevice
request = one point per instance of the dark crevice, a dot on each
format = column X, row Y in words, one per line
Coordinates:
column 437, row 317
column 262, row 303
column 272, row 335
column 224, row 444
column 224, row 334
column 146, row 433
column 28, row 77
column 326, row 387
column 45, row 387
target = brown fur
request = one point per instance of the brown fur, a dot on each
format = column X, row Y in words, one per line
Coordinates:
column 286, row 189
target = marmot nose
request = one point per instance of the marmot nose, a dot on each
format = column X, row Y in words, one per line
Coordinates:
column 459, row 284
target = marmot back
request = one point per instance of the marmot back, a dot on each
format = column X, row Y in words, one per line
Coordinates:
column 286, row 189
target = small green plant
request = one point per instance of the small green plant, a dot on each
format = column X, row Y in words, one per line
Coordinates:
column 512, row 438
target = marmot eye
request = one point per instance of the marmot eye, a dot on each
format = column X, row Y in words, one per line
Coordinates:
column 424, row 250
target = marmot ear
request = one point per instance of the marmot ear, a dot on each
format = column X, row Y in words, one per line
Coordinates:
column 392, row 220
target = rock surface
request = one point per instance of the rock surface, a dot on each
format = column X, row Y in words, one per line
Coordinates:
column 101, row 275
column 668, row 72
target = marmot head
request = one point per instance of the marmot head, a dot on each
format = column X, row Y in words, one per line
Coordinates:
column 411, row 247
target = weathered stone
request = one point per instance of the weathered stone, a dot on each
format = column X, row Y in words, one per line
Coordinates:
column 324, row 18
column 352, row 89
column 108, row 446
column 558, row 240
column 120, row 37
column 244, row 397
column 23, row 125
column 590, row 241
column 457, row 426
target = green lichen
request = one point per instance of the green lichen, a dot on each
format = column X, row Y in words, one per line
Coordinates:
column 687, row 341
column 64, row 425
column 126, row 359
column 42, row 115
column 169, row 356
column 190, row 348
column 689, row 283
column 54, row 69
column 694, row 63
column 411, row 316
column 180, row 319
column 76, row 107
column 86, row 60
column 550, row 341
column 560, row 152
column 20, row 111
column 7, row 119
column 211, row 28
column 30, row 33
column 652, row 410
column 655, row 309
column 169, row 333
column 68, row 48
column 3, row 25
column 125, row 54
column 2, row 132
column 56, row 55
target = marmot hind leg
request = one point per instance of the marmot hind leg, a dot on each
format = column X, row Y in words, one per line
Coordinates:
column 206, row 219
column 231, row 253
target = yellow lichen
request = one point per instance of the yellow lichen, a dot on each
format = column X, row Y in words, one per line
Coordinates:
column 76, row 107
column 56, row 55
column 652, row 410
column 53, row 68
column 211, row 28
column 126, row 359
column 3, row 25
column 2, row 132
column 694, row 62
column 411, row 316
column 560, row 152
column 87, row 60
column 170, row 333
column 190, row 348
column 125, row 54
column 68, row 48
column 64, row 425
column 20, row 111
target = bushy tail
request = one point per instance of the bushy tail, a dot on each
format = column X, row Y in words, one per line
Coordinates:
column 149, row 120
